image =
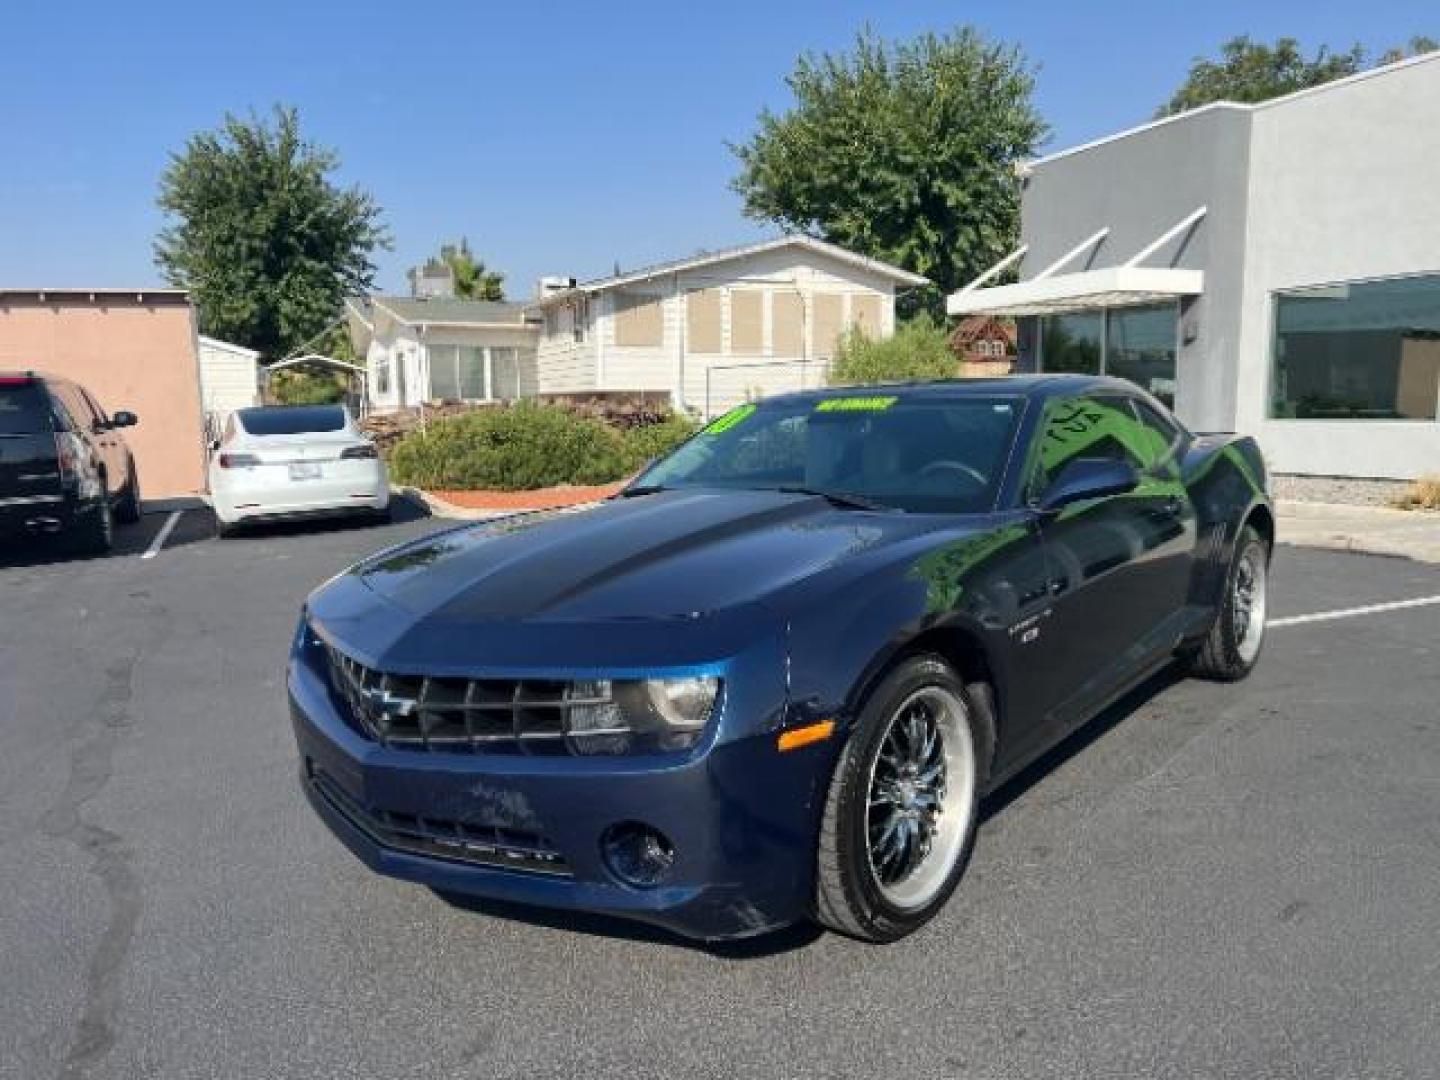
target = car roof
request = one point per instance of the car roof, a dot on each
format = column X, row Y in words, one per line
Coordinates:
column 1028, row 386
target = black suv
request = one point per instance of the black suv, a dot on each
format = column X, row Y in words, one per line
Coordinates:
column 64, row 467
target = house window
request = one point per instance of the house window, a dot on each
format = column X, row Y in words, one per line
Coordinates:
column 747, row 321
column 865, row 313
column 787, row 324
column 702, row 321
column 580, row 319
column 638, row 320
column 457, row 373
column 1367, row 350
column 829, row 320
column 382, row 376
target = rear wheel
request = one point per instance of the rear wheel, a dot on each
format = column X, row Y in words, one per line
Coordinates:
column 1233, row 645
column 902, row 808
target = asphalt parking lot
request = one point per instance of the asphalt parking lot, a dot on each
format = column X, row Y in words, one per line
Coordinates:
column 1227, row 881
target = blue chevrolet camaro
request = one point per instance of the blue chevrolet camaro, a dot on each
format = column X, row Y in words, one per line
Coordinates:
column 772, row 679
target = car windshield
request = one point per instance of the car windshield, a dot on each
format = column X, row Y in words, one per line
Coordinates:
column 292, row 419
column 932, row 454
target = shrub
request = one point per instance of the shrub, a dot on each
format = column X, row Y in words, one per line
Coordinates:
column 528, row 446
column 515, row 449
column 307, row 388
column 919, row 350
column 1423, row 494
column 657, row 439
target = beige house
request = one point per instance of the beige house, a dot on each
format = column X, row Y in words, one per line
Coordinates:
column 712, row 330
column 133, row 349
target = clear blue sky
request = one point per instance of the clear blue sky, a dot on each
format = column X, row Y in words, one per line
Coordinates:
column 559, row 137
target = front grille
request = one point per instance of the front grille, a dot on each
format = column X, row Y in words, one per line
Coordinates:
column 458, row 841
column 456, row 715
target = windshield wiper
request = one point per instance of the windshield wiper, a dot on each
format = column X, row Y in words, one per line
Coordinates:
column 640, row 489
column 846, row 499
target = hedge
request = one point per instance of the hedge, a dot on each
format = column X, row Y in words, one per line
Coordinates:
column 528, row 446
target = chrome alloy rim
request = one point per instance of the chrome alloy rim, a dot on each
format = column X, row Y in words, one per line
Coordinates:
column 920, row 797
column 1249, row 603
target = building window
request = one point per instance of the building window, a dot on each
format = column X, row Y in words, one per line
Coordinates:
column 787, row 324
column 1071, row 342
column 703, row 321
column 1135, row 343
column 747, row 321
column 457, row 373
column 638, row 320
column 580, row 317
column 1368, row 350
column 382, row 376
column 1140, row 346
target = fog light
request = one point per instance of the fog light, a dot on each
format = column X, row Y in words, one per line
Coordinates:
column 637, row 854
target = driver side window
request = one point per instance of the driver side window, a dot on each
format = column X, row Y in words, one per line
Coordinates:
column 1086, row 427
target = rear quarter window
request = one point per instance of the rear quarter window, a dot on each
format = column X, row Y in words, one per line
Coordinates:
column 24, row 409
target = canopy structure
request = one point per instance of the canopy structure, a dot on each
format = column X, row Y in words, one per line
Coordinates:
column 1050, row 293
column 356, row 377
column 1114, row 286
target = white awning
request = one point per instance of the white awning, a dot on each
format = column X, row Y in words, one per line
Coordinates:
column 1113, row 286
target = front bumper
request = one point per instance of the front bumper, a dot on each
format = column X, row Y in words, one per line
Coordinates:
column 741, row 816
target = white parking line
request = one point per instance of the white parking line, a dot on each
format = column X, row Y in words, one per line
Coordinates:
column 162, row 535
column 1350, row 613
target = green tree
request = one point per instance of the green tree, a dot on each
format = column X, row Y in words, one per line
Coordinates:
column 903, row 151
column 920, row 349
column 258, row 231
column 472, row 280
column 1251, row 71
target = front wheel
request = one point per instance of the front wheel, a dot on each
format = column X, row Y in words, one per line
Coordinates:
column 96, row 534
column 128, row 508
column 1233, row 644
column 902, row 808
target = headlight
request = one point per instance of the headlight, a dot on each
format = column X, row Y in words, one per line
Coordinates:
column 620, row 717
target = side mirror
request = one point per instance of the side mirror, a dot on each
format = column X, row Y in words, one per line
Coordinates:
column 1088, row 478
column 124, row 419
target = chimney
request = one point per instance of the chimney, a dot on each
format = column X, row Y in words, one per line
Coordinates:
column 434, row 280
column 548, row 286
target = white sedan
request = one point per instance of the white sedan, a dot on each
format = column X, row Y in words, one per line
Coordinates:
column 295, row 461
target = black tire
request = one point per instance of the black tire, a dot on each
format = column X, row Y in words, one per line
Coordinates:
column 849, row 895
column 96, row 532
column 127, row 510
column 224, row 531
column 1229, row 653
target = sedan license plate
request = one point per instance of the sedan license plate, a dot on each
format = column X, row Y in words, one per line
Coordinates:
column 302, row 471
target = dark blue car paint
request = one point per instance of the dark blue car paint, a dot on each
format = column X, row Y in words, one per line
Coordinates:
column 798, row 606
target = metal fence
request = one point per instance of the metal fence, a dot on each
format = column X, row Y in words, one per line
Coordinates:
column 728, row 385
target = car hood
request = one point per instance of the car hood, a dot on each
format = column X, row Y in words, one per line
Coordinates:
column 670, row 555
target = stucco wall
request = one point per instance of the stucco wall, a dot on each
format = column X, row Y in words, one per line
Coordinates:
column 1139, row 186
column 1344, row 185
column 131, row 354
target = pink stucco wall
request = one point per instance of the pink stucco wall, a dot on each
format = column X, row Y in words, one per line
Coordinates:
column 132, row 351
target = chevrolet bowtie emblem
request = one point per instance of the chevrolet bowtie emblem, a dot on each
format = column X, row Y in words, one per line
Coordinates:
column 388, row 703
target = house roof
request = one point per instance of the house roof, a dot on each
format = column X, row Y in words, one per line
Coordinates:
column 443, row 311
column 834, row 251
column 228, row 346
